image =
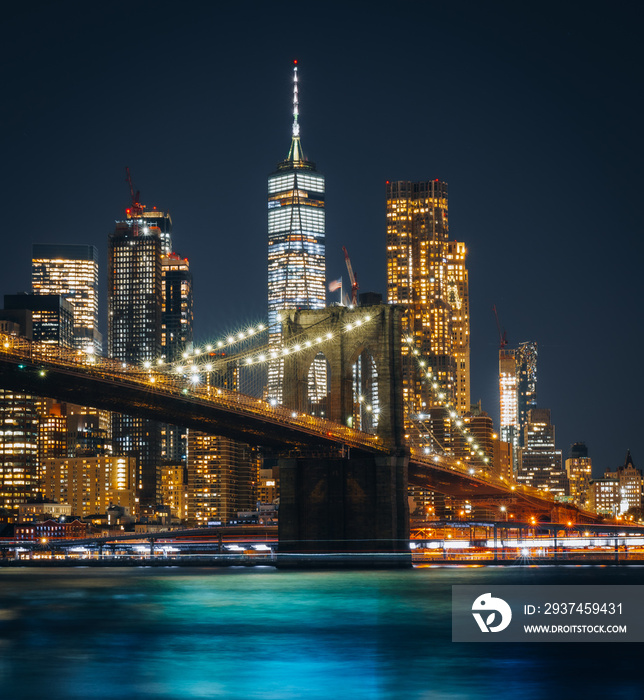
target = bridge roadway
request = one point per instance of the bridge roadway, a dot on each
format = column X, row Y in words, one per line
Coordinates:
column 70, row 375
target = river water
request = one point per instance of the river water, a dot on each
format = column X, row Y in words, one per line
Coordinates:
column 244, row 633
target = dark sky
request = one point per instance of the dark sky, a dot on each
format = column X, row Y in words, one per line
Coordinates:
column 532, row 112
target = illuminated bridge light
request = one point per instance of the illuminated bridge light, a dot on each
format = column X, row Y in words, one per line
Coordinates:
column 308, row 344
column 329, row 335
column 241, row 335
column 208, row 348
column 208, row 367
column 230, row 340
column 318, row 340
column 349, row 327
column 220, row 344
column 297, row 348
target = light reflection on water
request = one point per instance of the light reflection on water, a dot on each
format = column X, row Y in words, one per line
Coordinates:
column 259, row 633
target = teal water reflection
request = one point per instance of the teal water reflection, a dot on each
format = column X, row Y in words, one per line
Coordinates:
column 260, row 633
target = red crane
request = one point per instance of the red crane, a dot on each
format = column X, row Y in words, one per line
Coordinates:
column 136, row 207
column 352, row 278
column 503, row 339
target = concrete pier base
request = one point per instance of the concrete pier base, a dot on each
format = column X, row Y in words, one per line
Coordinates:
column 344, row 512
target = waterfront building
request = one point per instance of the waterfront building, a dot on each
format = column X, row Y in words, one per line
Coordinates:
column 221, row 477
column 90, row 484
column 579, row 472
column 296, row 250
column 540, row 463
column 426, row 274
column 619, row 490
column 71, row 271
column 174, row 489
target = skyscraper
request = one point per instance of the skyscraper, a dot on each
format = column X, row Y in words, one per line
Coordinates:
column 176, row 310
column 71, row 271
column 540, row 464
column 176, row 337
column 135, row 298
column 296, row 249
column 426, row 274
column 52, row 318
column 526, row 357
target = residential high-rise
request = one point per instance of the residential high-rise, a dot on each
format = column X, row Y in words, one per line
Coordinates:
column 221, row 478
column 176, row 337
column 508, row 396
column 90, row 484
column 296, row 249
column 135, row 300
column 540, row 464
column 176, row 310
column 526, row 356
column 517, row 393
column 71, row 271
column 426, row 274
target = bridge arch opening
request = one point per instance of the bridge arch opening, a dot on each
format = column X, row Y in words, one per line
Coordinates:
column 318, row 386
column 365, row 392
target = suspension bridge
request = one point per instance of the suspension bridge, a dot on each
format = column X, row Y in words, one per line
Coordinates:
column 345, row 462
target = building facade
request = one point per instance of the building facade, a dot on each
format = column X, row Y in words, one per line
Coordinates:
column 540, row 463
column 71, row 271
column 426, row 274
column 135, row 300
column 296, row 248
column 222, row 478
column 52, row 317
column 91, row 484
column 579, row 467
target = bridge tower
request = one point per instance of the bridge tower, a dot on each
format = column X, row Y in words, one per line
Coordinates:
column 347, row 502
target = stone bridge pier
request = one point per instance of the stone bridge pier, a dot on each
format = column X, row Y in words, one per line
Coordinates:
column 333, row 504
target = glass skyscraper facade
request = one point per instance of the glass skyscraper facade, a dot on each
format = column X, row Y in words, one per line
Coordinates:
column 296, row 249
column 71, row 271
column 134, row 301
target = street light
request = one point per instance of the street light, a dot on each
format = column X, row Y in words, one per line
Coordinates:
column 505, row 510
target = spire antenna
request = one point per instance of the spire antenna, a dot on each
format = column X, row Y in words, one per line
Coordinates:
column 296, row 112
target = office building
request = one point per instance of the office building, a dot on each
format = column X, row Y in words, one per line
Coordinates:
column 618, row 491
column 19, row 421
column 52, row 318
column 426, row 274
column 579, row 472
column 71, row 271
column 540, row 463
column 296, row 250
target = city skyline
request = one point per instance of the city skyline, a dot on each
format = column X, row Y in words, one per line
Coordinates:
column 535, row 242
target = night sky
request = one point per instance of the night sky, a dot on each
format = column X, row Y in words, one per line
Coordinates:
column 531, row 112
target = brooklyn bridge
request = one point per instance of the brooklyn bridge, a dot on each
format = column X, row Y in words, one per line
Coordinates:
column 343, row 478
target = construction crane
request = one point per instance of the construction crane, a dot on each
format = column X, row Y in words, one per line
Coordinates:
column 352, row 278
column 137, row 208
column 503, row 339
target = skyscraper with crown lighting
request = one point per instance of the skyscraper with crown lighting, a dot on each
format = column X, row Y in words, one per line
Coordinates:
column 296, row 249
